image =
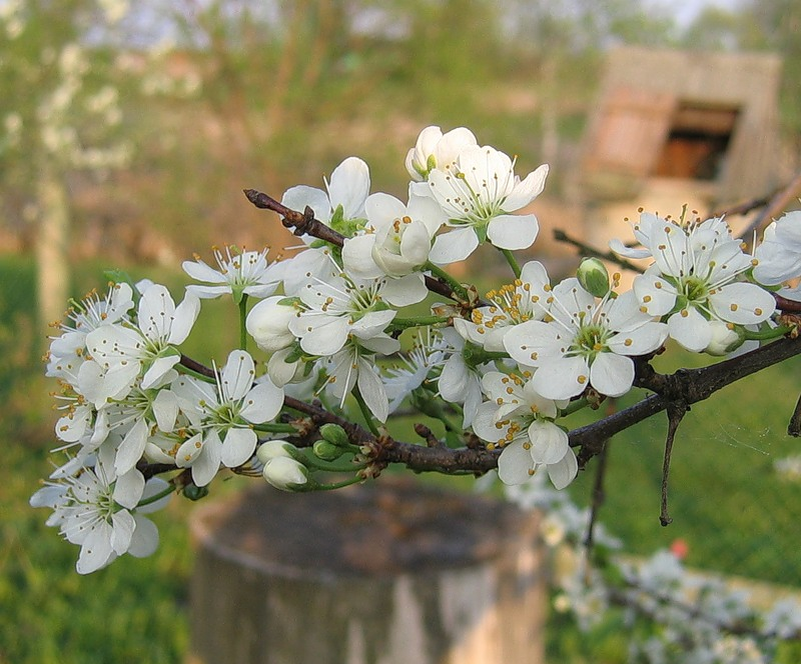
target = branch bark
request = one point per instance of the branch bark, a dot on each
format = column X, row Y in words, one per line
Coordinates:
column 685, row 387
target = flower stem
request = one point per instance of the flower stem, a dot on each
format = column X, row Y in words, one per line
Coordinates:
column 510, row 258
column 156, row 497
column 457, row 288
column 338, row 485
column 574, row 406
column 243, row 312
column 417, row 321
column 331, row 467
column 275, row 427
column 763, row 335
column 368, row 416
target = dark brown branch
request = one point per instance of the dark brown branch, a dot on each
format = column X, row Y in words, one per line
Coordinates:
column 386, row 450
column 687, row 386
column 787, row 306
column 426, row 434
column 197, row 367
column 299, row 223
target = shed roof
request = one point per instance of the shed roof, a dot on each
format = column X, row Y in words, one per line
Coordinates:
column 650, row 96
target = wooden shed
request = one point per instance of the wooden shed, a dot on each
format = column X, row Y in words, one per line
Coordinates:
column 702, row 127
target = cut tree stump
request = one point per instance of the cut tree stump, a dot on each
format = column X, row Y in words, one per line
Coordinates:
column 384, row 573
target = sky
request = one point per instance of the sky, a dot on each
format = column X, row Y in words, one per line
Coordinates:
column 686, row 10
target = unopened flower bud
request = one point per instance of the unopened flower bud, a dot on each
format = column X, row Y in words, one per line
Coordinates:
column 593, row 277
column 285, row 473
column 334, row 434
column 274, row 448
column 725, row 339
column 268, row 323
column 195, row 492
column 327, row 451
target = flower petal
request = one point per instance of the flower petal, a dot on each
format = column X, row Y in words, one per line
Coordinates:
column 515, row 464
column 690, row 329
column 131, row 449
column 349, row 187
column 564, row 471
column 562, row 378
column 453, row 246
column 372, row 390
column 238, row 447
column 612, row 374
column 743, row 304
column 407, row 290
column 513, row 231
column 145, row 538
column 549, row 442
column 263, row 402
column 526, row 191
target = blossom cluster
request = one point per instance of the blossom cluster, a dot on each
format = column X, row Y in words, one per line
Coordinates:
column 348, row 321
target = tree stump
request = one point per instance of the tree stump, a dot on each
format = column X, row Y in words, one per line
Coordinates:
column 384, row 573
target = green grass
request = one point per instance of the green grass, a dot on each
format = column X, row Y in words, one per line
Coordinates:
column 730, row 507
column 735, row 514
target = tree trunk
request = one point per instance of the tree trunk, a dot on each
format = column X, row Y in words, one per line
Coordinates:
column 391, row 573
column 52, row 244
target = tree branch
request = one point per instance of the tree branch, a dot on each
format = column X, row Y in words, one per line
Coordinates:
column 306, row 224
column 686, row 386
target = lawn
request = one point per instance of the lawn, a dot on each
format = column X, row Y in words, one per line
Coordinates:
column 730, row 507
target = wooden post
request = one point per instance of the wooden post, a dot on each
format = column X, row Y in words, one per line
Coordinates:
column 387, row 573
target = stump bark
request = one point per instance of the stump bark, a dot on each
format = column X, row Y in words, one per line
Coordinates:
column 387, row 573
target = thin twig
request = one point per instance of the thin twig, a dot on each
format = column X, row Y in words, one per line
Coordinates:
column 746, row 207
column 780, row 201
column 425, row 433
column 676, row 412
column 589, row 251
column 300, row 223
column 794, row 427
column 598, row 498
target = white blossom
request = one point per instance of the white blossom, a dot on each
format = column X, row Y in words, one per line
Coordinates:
column 239, row 274
column 268, row 323
column 478, row 194
column 521, row 423
column 222, row 416
column 337, row 310
column 779, row 254
column 397, row 244
column 100, row 513
column 436, row 150
column 586, row 342
column 695, row 279
column 510, row 305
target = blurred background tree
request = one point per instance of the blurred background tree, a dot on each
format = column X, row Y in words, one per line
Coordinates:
column 61, row 116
